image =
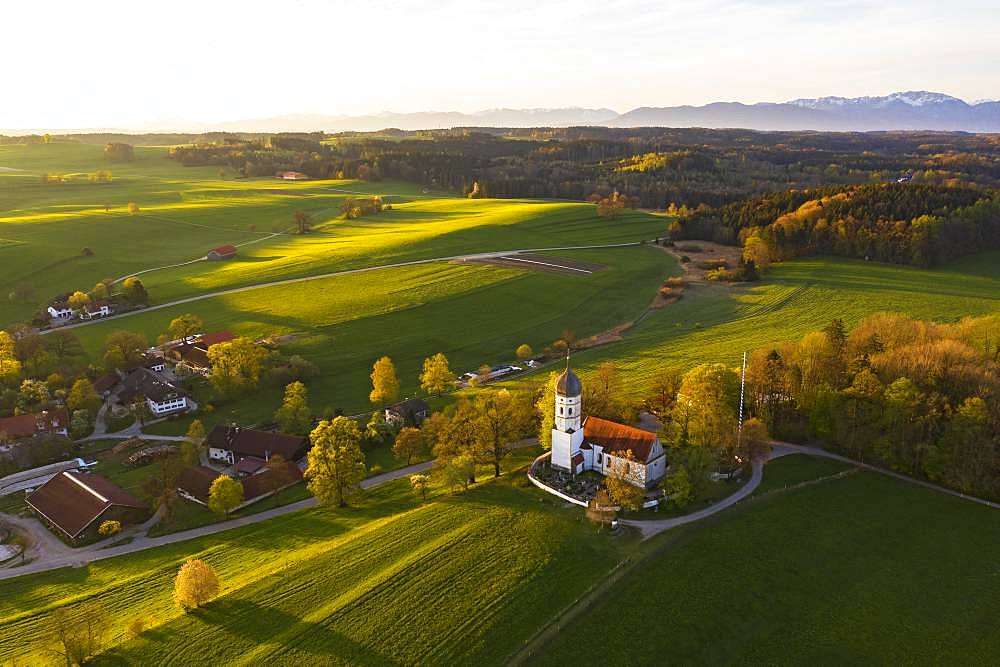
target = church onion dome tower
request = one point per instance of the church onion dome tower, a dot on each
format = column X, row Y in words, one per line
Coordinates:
column 569, row 402
column 568, row 384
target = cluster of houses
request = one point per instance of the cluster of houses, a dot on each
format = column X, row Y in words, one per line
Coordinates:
column 74, row 504
column 61, row 312
column 154, row 379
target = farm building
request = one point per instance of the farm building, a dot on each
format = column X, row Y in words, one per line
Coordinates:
column 106, row 383
column 95, row 310
column 76, row 504
column 599, row 444
column 292, row 176
column 59, row 310
column 40, row 424
column 227, row 251
column 411, row 411
column 194, row 483
column 250, row 449
column 162, row 397
column 194, row 352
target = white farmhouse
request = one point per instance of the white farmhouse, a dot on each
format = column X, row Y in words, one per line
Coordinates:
column 599, row 444
column 60, row 310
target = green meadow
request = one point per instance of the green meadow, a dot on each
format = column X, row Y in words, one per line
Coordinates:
column 717, row 322
column 845, row 570
column 475, row 313
column 861, row 569
column 460, row 579
column 185, row 211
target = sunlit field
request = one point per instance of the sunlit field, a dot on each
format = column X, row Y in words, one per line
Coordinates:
column 185, row 211
column 460, row 579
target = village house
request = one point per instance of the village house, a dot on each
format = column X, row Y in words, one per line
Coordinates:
column 227, row 251
column 47, row 423
column 76, row 504
column 603, row 446
column 60, row 310
column 411, row 411
column 292, row 176
column 96, row 309
column 195, row 482
column 162, row 397
column 249, row 450
column 194, row 352
column 105, row 384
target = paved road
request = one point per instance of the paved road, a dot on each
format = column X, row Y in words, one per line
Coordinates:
column 657, row 526
column 334, row 274
column 63, row 556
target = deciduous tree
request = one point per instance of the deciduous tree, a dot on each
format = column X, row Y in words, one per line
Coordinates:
column 224, row 495
column 82, row 396
column 409, row 443
column 336, row 462
column 385, row 382
column 420, row 483
column 184, row 326
column 79, row 631
column 123, row 349
column 10, row 365
column 436, row 377
column 236, row 366
column 524, row 352
column 294, row 415
column 196, row 584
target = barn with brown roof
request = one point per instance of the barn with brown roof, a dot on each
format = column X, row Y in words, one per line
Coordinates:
column 39, row 424
column 75, row 504
column 231, row 444
column 226, row 251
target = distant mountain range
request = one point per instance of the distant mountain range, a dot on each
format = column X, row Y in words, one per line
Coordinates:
column 912, row 110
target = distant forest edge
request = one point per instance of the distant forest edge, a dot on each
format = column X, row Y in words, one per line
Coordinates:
column 918, row 198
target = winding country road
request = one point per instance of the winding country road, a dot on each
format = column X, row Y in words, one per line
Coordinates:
column 334, row 274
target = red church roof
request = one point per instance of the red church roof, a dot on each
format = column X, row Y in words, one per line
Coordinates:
column 615, row 437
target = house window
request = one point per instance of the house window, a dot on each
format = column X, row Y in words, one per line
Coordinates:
column 599, row 455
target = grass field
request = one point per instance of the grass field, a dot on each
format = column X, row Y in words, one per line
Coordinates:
column 858, row 570
column 717, row 323
column 185, row 211
column 474, row 313
column 463, row 578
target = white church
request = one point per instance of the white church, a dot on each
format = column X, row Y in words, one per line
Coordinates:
column 601, row 445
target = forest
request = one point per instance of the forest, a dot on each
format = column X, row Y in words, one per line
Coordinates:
column 919, row 397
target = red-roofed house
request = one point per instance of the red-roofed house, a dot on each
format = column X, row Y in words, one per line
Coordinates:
column 48, row 423
column 599, row 444
column 76, row 504
column 226, row 251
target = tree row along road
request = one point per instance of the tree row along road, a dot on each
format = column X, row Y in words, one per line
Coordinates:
column 334, row 274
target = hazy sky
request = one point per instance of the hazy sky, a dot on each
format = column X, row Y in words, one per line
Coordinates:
column 120, row 64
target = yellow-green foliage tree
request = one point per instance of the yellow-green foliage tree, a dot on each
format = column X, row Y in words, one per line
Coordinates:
column 196, row 432
column 183, row 326
column 224, row 495
column 10, row 365
column 123, row 349
column 196, row 583
column 524, row 352
column 385, row 382
column 757, row 250
column 110, row 527
column 409, row 443
column 133, row 208
column 236, row 366
column 436, row 377
column 294, row 415
column 677, row 489
column 78, row 300
column 82, row 396
column 336, row 462
column 705, row 412
column 546, row 409
column 420, row 483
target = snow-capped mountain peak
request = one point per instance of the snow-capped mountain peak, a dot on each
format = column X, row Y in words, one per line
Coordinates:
column 912, row 98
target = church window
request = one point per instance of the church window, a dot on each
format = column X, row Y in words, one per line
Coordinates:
column 560, row 410
column 571, row 411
